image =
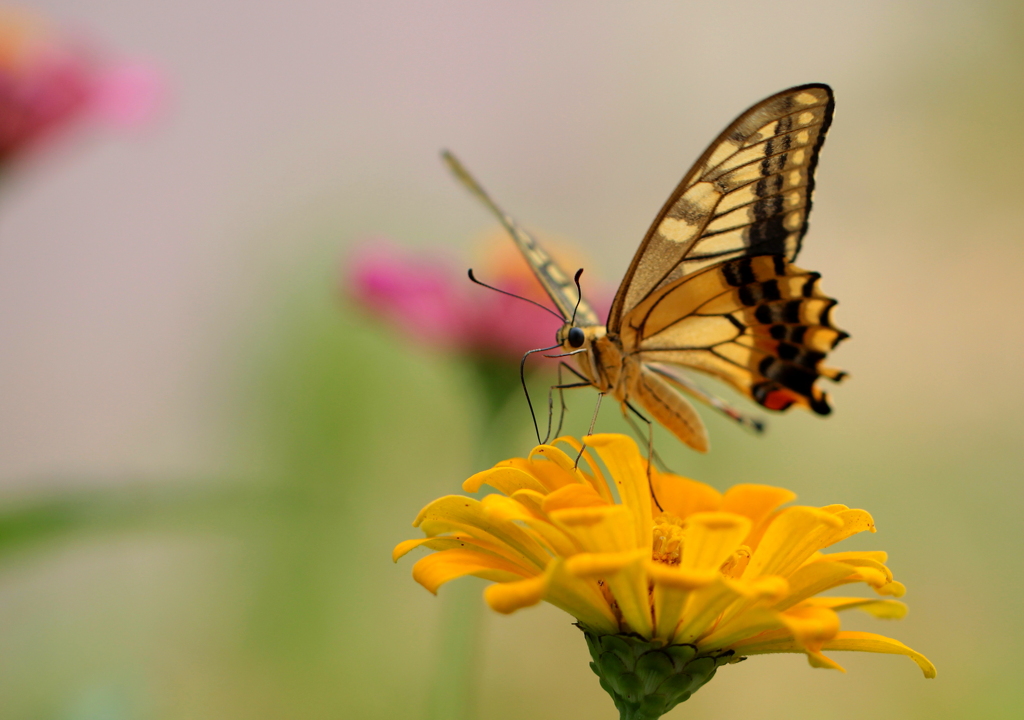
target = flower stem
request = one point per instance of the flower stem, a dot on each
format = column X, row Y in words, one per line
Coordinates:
column 453, row 690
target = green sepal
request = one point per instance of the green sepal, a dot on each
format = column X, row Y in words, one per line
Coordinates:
column 647, row 679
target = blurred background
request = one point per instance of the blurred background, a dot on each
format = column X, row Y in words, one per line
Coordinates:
column 207, row 452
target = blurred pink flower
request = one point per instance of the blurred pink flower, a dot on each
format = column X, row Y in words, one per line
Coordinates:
column 434, row 302
column 47, row 82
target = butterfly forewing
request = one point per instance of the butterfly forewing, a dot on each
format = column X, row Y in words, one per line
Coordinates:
column 558, row 284
column 748, row 194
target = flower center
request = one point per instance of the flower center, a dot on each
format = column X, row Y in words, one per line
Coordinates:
column 668, row 539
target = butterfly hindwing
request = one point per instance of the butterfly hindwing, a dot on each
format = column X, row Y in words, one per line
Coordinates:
column 761, row 324
column 748, row 194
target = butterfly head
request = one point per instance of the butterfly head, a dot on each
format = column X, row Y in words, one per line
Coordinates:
column 576, row 339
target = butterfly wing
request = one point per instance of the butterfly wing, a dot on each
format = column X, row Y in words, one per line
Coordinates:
column 713, row 287
column 749, row 194
column 559, row 285
column 761, row 324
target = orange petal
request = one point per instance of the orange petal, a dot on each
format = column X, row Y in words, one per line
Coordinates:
column 755, row 501
column 682, row 496
column 438, row 568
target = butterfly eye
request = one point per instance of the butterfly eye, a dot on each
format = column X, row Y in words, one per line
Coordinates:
column 576, row 337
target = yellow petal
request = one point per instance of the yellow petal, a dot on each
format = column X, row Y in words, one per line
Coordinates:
column 682, row 496
column 599, row 565
column 434, row 570
column 505, row 479
column 505, row 508
column 580, row 598
column 573, row 496
column 514, row 509
column 755, row 501
column 560, row 458
column 870, row 642
column 792, row 537
column 508, row 597
column 814, row 578
column 460, row 514
column 751, row 623
column 548, row 474
column 882, row 609
column 810, row 625
column 746, row 616
column 672, row 587
column 605, row 529
column 703, row 606
column 591, row 471
column 553, row 467
column 625, row 576
column 629, row 471
column 450, row 542
column 816, row 660
column 531, row 500
column 778, row 642
column 895, row 589
column 711, row 538
column 853, row 522
column 878, row 556
column 861, row 560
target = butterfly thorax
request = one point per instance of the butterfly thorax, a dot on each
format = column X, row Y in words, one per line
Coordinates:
column 601, row 357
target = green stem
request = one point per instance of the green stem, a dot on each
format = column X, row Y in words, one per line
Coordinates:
column 453, row 690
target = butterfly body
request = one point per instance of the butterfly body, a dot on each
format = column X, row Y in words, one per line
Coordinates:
column 713, row 287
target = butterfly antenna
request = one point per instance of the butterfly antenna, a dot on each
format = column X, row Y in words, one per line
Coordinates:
column 579, row 295
column 517, row 297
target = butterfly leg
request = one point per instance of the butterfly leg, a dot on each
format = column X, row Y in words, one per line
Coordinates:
column 652, row 455
column 593, row 422
column 561, row 397
column 526, row 390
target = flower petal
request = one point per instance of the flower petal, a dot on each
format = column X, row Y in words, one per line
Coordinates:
column 682, row 496
column 580, row 598
column 454, row 542
column 573, row 496
column 814, row 578
column 605, row 529
column 703, row 606
column 593, row 473
column 672, row 587
column 854, row 521
column 792, row 537
column 755, row 501
column 432, row 571
column 624, row 574
column 845, row 640
column 457, row 513
column 882, row 609
column 870, row 642
column 629, row 471
column 711, row 538
column 516, row 511
column 507, row 597
column 504, row 479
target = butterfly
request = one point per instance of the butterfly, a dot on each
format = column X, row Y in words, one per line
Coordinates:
column 712, row 287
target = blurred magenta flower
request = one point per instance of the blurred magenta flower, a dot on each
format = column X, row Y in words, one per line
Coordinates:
column 47, row 82
column 432, row 301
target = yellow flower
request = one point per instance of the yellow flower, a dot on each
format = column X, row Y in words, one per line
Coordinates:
column 666, row 588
